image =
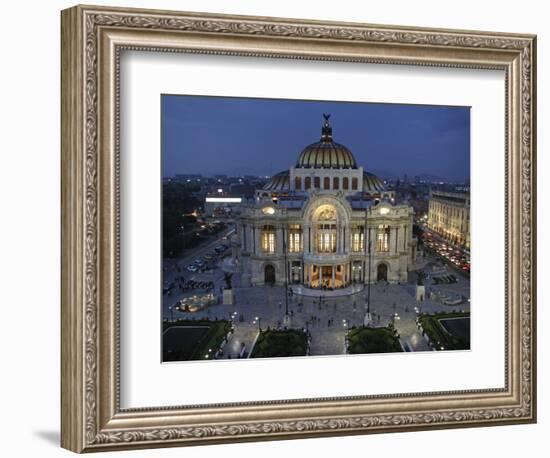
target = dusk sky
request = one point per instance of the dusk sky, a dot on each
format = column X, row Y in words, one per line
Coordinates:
column 240, row 136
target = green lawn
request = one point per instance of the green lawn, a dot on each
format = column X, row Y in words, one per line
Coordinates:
column 275, row 343
column 454, row 337
column 186, row 340
column 372, row 340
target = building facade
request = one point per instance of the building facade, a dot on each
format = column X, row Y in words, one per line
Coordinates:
column 325, row 223
column 449, row 216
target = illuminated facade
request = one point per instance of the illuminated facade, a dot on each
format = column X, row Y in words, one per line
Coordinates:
column 314, row 224
column 449, row 216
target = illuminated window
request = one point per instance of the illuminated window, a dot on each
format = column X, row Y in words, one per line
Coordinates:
column 345, row 183
column 383, row 238
column 326, row 238
column 295, row 238
column 326, row 183
column 336, row 183
column 298, row 183
column 357, row 239
column 268, row 239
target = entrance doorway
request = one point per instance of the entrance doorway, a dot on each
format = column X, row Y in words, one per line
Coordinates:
column 326, row 277
column 382, row 272
column 269, row 274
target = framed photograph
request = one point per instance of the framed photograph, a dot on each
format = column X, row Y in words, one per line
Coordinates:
column 278, row 228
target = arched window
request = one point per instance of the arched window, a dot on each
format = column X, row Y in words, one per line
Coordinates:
column 336, row 183
column 298, row 183
column 325, row 238
column 308, row 182
column 345, row 183
column 317, row 182
column 325, row 229
column 354, row 183
column 268, row 239
column 326, row 183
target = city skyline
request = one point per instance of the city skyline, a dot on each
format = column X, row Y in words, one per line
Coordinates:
column 246, row 136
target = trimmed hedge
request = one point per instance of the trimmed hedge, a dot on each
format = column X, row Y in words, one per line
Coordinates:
column 372, row 340
column 217, row 330
column 280, row 343
column 439, row 336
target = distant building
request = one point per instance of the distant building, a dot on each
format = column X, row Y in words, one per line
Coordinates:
column 314, row 224
column 220, row 204
column 188, row 177
column 449, row 216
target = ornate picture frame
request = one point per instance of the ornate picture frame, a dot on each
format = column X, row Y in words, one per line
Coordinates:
column 92, row 41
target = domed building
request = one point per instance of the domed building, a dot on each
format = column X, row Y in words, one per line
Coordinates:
column 324, row 223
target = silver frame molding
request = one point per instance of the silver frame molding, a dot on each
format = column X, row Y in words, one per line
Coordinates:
column 92, row 40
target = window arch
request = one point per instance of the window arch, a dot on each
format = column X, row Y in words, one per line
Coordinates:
column 336, row 183
column 354, row 183
column 345, row 183
column 326, row 183
column 298, row 183
column 308, row 182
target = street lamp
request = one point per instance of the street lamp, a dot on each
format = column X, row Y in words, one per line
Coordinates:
column 368, row 315
column 287, row 316
column 259, row 320
column 395, row 317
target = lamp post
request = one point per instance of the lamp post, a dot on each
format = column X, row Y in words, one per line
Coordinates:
column 286, row 319
column 259, row 320
column 394, row 318
column 171, row 313
column 367, row 314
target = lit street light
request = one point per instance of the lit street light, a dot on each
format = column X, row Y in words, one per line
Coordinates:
column 259, row 321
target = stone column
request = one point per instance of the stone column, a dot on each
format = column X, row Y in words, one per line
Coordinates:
column 257, row 247
column 344, row 236
column 279, row 240
column 333, row 275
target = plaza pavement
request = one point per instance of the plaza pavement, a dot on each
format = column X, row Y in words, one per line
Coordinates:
column 327, row 322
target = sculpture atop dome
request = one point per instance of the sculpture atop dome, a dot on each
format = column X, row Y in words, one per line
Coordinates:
column 326, row 132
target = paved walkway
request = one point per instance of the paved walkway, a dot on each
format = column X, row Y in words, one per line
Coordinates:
column 327, row 322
